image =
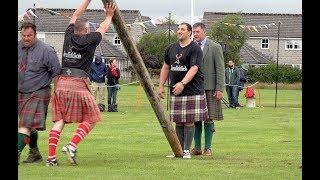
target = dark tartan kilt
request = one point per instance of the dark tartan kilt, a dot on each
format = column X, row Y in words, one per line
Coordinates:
column 188, row 109
column 73, row 101
column 214, row 106
column 33, row 107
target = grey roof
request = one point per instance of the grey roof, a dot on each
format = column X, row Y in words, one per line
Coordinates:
column 160, row 28
column 57, row 23
column 291, row 24
column 251, row 55
column 145, row 18
column 109, row 50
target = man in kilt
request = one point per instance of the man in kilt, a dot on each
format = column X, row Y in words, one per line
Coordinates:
column 72, row 100
column 38, row 64
column 213, row 69
column 188, row 103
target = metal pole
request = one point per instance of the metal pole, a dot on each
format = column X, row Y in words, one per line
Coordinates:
column 145, row 80
column 277, row 75
column 168, row 92
column 192, row 13
column 34, row 18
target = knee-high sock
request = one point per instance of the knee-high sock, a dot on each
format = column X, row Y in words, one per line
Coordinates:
column 180, row 134
column 33, row 139
column 53, row 141
column 197, row 135
column 208, row 134
column 81, row 132
column 23, row 139
column 188, row 136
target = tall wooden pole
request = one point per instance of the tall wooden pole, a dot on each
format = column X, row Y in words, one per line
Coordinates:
column 145, row 80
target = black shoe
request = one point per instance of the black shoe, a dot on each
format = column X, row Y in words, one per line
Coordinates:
column 102, row 107
column 115, row 108
column 52, row 162
column 34, row 156
column 110, row 108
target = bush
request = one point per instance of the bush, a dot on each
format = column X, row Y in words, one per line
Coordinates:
column 268, row 74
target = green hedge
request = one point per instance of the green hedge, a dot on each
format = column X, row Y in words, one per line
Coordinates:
column 268, row 74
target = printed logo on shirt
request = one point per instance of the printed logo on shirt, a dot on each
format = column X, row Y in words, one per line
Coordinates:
column 178, row 56
column 177, row 66
column 70, row 54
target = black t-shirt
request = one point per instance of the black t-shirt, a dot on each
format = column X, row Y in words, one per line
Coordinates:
column 78, row 51
column 181, row 59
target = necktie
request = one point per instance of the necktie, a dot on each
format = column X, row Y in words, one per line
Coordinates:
column 23, row 66
column 24, row 61
column 199, row 43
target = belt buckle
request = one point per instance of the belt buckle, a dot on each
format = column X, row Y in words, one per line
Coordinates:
column 68, row 72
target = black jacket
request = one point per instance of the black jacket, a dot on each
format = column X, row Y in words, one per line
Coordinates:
column 112, row 80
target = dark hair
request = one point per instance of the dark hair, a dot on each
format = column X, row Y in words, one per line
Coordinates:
column 199, row 24
column 111, row 60
column 27, row 25
column 189, row 27
column 80, row 25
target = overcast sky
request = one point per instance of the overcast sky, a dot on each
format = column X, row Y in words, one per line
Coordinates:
column 178, row 8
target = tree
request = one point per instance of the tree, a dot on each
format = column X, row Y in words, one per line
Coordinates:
column 172, row 21
column 153, row 47
column 233, row 35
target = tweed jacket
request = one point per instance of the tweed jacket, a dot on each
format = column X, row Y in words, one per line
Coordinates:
column 213, row 66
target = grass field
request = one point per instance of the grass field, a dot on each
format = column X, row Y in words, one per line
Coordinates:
column 250, row 143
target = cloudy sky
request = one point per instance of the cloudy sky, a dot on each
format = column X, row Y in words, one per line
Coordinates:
column 178, row 8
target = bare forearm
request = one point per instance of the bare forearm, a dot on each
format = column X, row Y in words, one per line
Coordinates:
column 103, row 28
column 109, row 9
column 164, row 73
column 190, row 74
column 82, row 8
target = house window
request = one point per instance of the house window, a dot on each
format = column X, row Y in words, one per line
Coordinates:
column 293, row 45
column 264, row 43
column 41, row 37
column 117, row 40
column 297, row 66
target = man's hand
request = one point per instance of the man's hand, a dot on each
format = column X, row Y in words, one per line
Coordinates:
column 161, row 92
column 109, row 9
column 218, row 95
column 177, row 88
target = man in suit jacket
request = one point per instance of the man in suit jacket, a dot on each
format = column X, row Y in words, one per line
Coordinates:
column 214, row 70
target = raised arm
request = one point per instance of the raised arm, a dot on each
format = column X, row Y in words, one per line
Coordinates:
column 81, row 9
column 109, row 9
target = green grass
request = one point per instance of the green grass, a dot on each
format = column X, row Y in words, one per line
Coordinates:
column 250, row 143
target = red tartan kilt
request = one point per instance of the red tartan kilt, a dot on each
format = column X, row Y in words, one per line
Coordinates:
column 32, row 109
column 73, row 101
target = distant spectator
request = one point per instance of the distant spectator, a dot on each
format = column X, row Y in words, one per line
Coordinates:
column 243, row 79
column 97, row 76
column 113, row 75
column 232, row 80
